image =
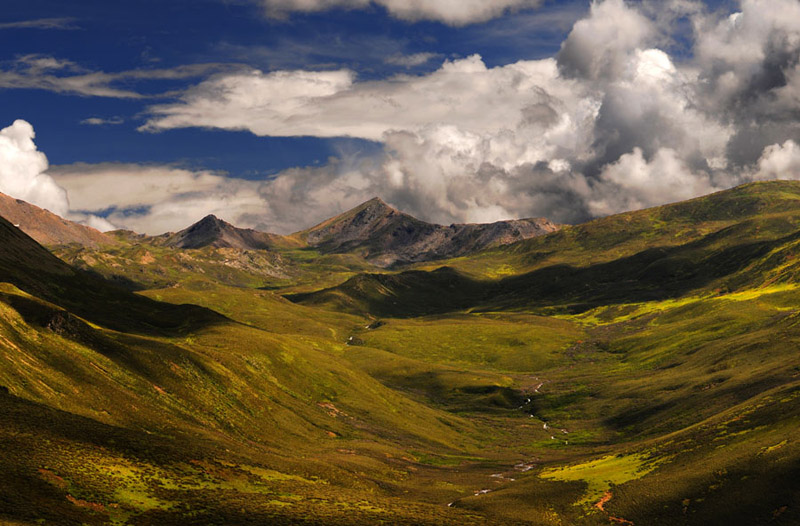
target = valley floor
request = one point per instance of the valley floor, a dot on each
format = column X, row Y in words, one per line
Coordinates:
column 629, row 382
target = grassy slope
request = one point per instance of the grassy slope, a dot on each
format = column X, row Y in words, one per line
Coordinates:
column 689, row 313
column 657, row 347
column 140, row 264
column 772, row 206
column 224, row 386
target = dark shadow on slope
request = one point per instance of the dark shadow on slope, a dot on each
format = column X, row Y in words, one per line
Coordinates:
column 654, row 274
column 33, row 269
column 476, row 397
column 124, row 349
column 118, row 280
column 30, row 439
column 653, row 417
column 404, row 295
column 714, row 483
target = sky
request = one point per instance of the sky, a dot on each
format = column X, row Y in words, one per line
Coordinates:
column 276, row 114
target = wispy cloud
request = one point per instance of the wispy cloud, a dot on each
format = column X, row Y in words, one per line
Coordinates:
column 98, row 121
column 63, row 23
column 367, row 54
column 63, row 76
column 446, row 11
column 413, row 60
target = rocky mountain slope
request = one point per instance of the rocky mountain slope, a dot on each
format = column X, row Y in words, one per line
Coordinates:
column 386, row 236
column 214, row 232
column 46, row 227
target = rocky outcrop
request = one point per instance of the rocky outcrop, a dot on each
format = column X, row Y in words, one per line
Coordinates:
column 386, row 236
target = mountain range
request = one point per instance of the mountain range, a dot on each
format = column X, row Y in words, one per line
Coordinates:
column 382, row 234
column 640, row 368
column 389, row 237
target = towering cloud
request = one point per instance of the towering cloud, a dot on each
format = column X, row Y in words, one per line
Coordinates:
column 22, row 170
column 22, row 175
column 600, row 46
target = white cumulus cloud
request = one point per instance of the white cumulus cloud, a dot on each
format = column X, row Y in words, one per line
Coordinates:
column 462, row 92
column 23, row 167
column 780, row 161
column 23, row 175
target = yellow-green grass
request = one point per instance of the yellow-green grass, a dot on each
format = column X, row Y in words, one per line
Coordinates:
column 601, row 474
column 260, row 308
column 677, row 389
column 772, row 207
column 494, row 341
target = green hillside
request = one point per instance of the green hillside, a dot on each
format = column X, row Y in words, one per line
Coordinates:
column 638, row 369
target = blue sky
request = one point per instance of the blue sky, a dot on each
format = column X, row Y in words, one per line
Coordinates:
column 126, row 35
column 276, row 114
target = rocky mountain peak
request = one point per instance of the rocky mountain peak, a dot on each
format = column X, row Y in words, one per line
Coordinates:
column 386, row 236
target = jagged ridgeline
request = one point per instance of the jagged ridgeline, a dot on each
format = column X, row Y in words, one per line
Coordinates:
column 375, row 369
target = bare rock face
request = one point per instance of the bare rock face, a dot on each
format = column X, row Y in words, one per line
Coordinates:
column 214, row 232
column 381, row 234
column 47, row 228
column 386, row 236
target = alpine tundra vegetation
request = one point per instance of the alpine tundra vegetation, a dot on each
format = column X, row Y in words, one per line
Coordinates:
column 360, row 262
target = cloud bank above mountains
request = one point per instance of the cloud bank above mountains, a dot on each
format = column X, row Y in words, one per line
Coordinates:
column 613, row 122
column 617, row 120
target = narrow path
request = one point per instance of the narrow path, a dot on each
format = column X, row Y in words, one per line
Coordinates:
column 601, row 505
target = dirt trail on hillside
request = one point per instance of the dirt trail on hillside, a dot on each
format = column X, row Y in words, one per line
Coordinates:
column 600, row 505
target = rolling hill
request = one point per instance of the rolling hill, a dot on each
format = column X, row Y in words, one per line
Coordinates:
column 637, row 369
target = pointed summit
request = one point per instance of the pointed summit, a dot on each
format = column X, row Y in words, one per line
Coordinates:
column 361, row 225
column 366, row 211
column 212, row 231
column 210, row 219
column 210, row 223
column 375, row 202
column 386, row 236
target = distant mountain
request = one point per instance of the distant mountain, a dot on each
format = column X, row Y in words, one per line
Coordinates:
column 386, row 236
column 743, row 237
column 47, row 228
column 214, row 232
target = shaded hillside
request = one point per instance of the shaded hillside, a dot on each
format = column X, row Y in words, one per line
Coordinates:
column 641, row 369
column 773, row 209
column 30, row 267
column 388, row 237
column 47, row 228
column 595, row 264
